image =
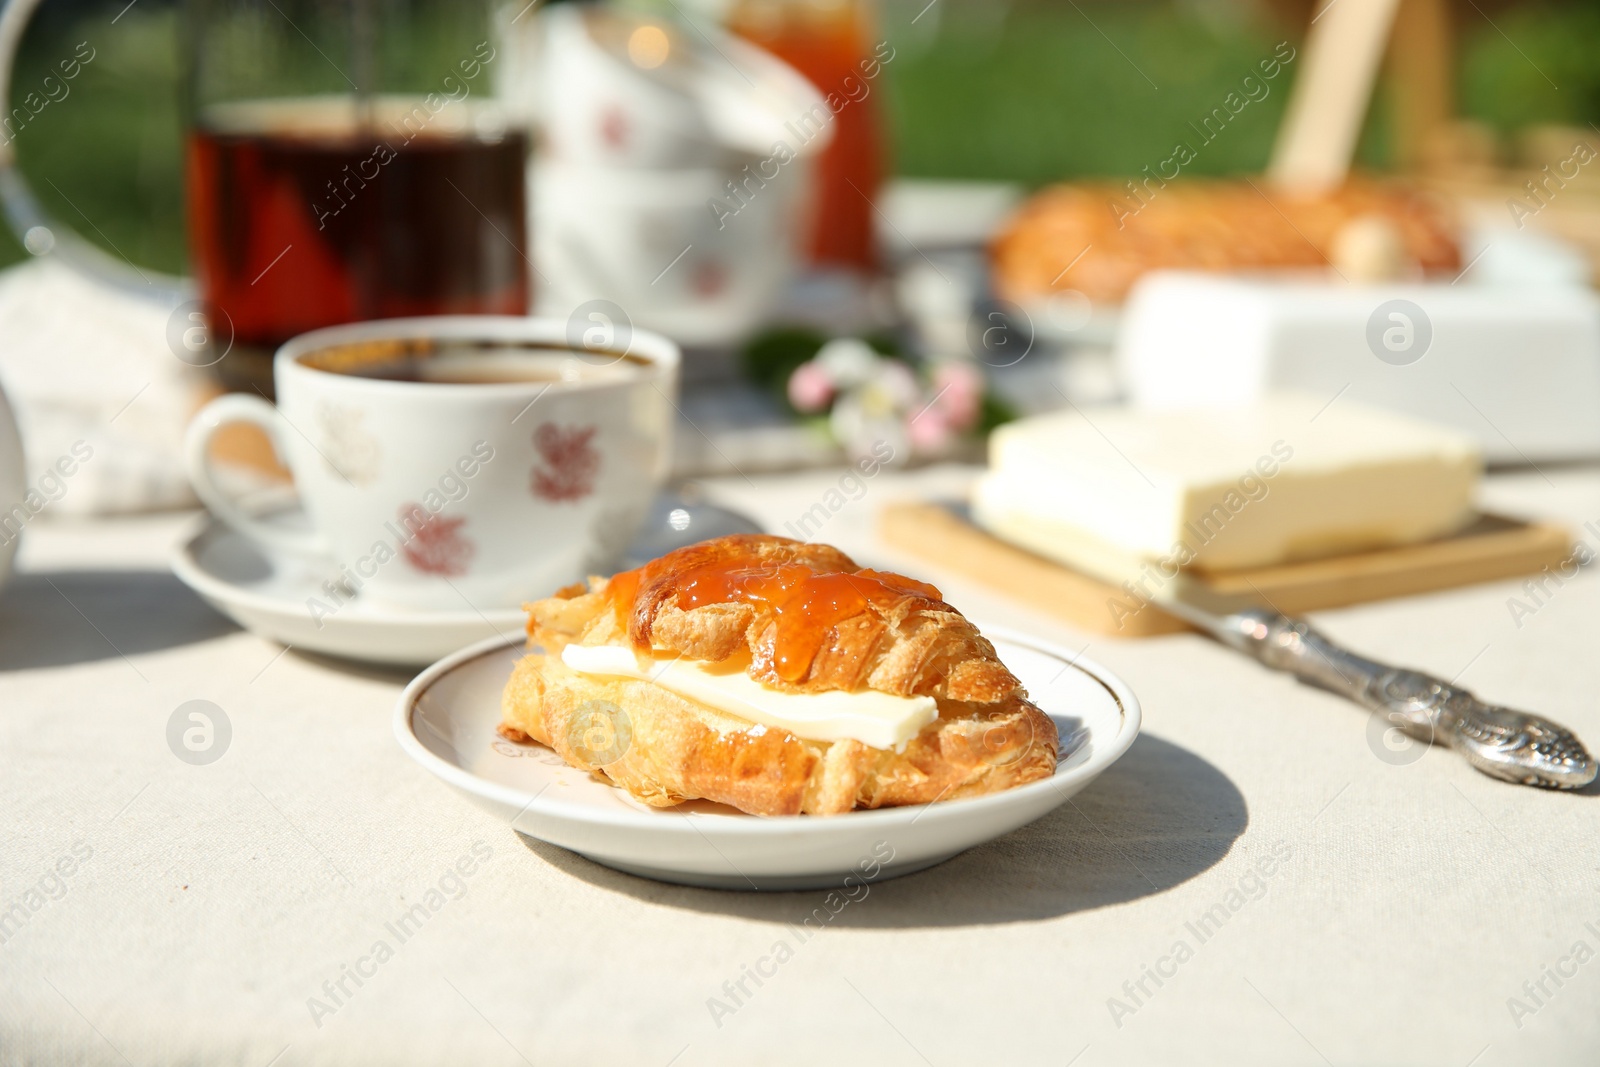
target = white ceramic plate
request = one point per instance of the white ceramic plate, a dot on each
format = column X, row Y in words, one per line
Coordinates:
column 446, row 721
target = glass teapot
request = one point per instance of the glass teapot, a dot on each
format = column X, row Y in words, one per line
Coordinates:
column 344, row 160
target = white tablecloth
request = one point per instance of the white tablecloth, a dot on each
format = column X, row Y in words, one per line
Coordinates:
column 1251, row 884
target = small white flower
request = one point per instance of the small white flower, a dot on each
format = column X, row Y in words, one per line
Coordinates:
column 849, row 361
column 896, row 379
column 858, row 428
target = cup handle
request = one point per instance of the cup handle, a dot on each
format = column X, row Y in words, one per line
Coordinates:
column 197, row 455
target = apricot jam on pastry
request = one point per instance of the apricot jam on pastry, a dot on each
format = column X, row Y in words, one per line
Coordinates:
column 802, row 600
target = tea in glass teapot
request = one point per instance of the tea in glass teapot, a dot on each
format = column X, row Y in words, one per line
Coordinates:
column 342, row 161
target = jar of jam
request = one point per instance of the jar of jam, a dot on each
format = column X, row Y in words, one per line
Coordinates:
column 831, row 42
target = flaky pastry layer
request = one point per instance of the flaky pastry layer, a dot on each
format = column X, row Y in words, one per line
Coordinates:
column 664, row 748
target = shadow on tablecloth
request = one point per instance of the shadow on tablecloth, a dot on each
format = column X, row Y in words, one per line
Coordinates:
column 55, row 618
column 391, row 673
column 1156, row 818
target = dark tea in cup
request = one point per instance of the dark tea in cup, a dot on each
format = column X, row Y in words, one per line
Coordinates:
column 312, row 212
column 455, row 361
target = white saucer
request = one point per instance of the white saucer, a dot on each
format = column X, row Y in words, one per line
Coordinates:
column 446, row 721
column 270, row 594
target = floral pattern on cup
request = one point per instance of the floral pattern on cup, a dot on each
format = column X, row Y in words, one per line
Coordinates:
column 570, row 462
column 436, row 544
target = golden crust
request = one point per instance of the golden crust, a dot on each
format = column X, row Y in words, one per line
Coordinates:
column 664, row 748
column 1199, row 225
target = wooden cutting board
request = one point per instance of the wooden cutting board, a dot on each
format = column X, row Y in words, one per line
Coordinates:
column 1491, row 548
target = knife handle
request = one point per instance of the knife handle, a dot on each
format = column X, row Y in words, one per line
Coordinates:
column 1500, row 742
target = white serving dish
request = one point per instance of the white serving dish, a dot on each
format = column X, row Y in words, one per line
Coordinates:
column 1516, row 367
column 446, row 721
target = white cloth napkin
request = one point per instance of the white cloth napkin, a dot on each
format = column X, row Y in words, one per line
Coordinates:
column 87, row 368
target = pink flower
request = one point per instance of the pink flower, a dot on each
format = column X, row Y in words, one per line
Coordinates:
column 959, row 387
column 810, row 387
column 930, row 431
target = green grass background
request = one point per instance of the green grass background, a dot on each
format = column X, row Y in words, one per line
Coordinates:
column 1029, row 91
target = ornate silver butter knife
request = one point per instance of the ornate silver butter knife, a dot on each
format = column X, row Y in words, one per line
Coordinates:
column 1506, row 744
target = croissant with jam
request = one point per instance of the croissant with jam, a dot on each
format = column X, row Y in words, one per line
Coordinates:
column 809, row 628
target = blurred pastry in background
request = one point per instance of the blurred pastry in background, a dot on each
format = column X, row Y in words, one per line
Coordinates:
column 1111, row 235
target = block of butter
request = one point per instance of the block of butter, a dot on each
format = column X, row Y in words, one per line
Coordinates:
column 1292, row 477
